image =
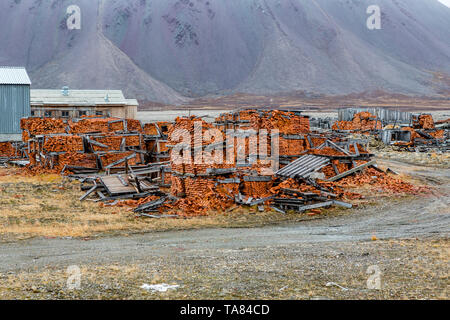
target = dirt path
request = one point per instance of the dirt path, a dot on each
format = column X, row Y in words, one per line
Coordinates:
column 425, row 219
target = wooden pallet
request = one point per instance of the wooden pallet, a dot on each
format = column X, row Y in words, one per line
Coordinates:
column 117, row 184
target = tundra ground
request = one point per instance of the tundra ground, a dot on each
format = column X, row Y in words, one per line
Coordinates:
column 405, row 241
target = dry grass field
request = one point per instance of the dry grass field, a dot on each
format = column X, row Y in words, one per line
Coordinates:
column 48, row 206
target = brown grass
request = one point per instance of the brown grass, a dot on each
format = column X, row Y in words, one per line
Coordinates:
column 48, row 206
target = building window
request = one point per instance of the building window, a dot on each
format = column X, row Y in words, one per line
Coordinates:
column 47, row 113
column 32, row 113
column 98, row 113
column 82, row 113
column 65, row 114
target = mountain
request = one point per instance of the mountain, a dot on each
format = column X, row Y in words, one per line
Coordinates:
column 165, row 50
column 38, row 38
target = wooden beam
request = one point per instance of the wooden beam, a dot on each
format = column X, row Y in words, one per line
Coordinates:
column 346, row 173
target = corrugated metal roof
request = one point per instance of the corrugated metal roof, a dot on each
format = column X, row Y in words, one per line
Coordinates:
column 79, row 98
column 132, row 102
column 303, row 166
column 14, row 75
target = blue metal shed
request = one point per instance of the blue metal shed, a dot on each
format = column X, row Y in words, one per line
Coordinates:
column 14, row 98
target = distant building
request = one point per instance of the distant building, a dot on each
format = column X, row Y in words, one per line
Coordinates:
column 67, row 103
column 14, row 100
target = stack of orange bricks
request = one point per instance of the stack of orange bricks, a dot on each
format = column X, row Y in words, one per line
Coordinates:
column 6, row 149
column 87, row 160
column 150, row 129
column 425, row 122
column 88, row 125
column 41, row 126
column 65, row 139
column 363, row 121
column 63, row 144
column 194, row 185
column 208, row 190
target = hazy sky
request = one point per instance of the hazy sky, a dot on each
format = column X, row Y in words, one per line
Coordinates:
column 446, row 2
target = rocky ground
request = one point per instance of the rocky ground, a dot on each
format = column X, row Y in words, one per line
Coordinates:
column 435, row 159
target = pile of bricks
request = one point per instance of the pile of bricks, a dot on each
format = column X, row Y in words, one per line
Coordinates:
column 105, row 125
column 292, row 129
column 424, row 134
column 423, row 121
column 32, row 127
column 63, row 143
column 198, row 187
column 203, row 187
column 382, row 180
column 6, row 149
column 90, row 143
column 189, row 178
column 363, row 121
column 11, row 151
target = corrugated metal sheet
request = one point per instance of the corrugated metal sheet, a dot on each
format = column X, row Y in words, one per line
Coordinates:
column 14, row 105
column 303, row 166
column 14, row 75
column 391, row 136
column 384, row 114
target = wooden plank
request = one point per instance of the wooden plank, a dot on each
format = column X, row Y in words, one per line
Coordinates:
column 355, row 145
column 331, row 143
column 258, row 178
column 335, row 168
column 344, row 174
column 91, row 190
column 315, row 206
column 96, row 143
column 343, row 204
column 120, row 161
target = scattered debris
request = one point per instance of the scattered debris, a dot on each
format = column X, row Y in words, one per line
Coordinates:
column 334, row 284
column 163, row 287
column 120, row 162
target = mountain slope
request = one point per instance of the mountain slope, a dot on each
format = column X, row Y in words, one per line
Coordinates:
column 81, row 59
column 268, row 46
column 162, row 50
column 317, row 54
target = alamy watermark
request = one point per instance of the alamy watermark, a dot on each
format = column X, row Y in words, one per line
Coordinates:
column 73, row 17
column 374, row 20
column 74, row 279
column 374, row 280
